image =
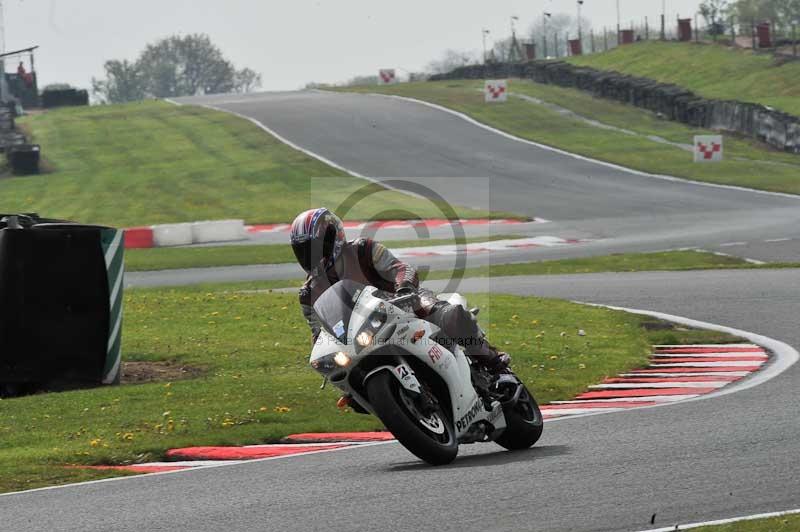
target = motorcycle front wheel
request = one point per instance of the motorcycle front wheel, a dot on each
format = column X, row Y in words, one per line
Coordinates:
column 429, row 436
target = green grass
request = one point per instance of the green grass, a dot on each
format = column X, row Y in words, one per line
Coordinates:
column 152, row 162
column 747, row 163
column 787, row 523
column 213, row 256
column 710, row 71
column 258, row 386
column 623, row 262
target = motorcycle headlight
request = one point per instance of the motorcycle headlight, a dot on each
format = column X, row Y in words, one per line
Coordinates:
column 374, row 323
column 341, row 359
column 364, row 338
column 330, row 363
column 378, row 318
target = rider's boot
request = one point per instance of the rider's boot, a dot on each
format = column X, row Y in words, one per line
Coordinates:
column 497, row 362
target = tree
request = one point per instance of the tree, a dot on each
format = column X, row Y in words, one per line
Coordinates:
column 714, row 13
column 123, row 83
column 246, row 80
column 175, row 66
column 450, row 60
column 782, row 12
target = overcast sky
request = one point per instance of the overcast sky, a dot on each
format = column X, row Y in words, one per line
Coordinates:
column 290, row 42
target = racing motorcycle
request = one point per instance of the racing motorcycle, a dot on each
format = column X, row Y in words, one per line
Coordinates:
column 422, row 386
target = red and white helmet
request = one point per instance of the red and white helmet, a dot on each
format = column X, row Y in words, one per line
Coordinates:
column 317, row 239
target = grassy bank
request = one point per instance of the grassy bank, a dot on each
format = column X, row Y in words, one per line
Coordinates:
column 710, row 71
column 256, row 386
column 152, row 162
column 748, row 163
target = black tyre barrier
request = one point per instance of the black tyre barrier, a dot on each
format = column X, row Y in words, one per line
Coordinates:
column 23, row 159
column 61, row 301
column 64, row 97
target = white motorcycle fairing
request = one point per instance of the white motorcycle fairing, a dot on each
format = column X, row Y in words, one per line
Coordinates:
column 400, row 342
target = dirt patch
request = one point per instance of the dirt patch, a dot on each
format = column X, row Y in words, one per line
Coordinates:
column 141, row 372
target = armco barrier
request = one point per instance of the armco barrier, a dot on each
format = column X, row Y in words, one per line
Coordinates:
column 768, row 125
column 172, row 235
column 218, row 231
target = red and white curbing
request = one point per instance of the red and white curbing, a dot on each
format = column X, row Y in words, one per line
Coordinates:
column 400, row 224
column 184, row 234
column 486, row 247
column 676, row 373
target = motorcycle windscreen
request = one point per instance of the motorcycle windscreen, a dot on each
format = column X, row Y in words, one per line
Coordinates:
column 335, row 307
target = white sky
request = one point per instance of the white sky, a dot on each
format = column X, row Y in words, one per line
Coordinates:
column 290, row 42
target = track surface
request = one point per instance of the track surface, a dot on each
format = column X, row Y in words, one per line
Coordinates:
column 708, row 459
column 688, row 462
column 389, row 138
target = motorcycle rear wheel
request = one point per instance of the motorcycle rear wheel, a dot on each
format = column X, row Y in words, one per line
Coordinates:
column 524, row 424
column 431, row 438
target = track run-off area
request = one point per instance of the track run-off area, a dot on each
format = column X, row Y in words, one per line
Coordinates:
column 723, row 456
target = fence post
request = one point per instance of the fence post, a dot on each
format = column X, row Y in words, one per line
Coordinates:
column 794, row 38
column 753, row 32
column 696, row 29
column 663, row 27
column 646, row 29
column 555, row 44
column 591, row 36
column 733, row 31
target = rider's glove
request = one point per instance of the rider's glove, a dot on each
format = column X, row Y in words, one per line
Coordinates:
column 406, row 290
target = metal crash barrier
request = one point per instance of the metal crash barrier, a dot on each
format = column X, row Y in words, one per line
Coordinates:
column 61, row 303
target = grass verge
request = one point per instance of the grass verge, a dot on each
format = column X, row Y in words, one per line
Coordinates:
column 152, row 162
column 257, row 386
column 623, row 262
column 748, row 163
column 786, row 523
column 213, row 256
column 711, row 71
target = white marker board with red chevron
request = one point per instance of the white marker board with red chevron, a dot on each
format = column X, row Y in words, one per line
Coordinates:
column 708, row 148
column 387, row 76
column 495, row 90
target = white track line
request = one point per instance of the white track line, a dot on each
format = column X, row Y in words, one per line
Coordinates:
column 698, row 374
column 299, row 148
column 704, row 346
column 724, row 521
column 654, row 399
column 710, row 355
column 577, row 411
column 700, row 364
column 650, row 385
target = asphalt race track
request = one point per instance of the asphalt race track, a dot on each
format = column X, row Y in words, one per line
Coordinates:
column 709, row 459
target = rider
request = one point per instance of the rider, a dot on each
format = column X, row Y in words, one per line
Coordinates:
column 319, row 243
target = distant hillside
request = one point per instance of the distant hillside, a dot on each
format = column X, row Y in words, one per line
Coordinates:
column 709, row 70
